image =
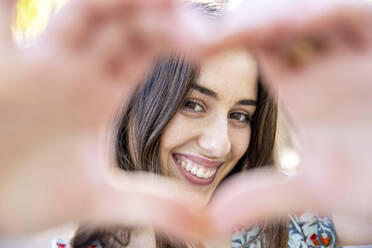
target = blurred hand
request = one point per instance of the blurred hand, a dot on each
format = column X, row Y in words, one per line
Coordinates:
column 316, row 55
column 57, row 101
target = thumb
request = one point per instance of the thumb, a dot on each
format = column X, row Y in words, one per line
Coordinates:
column 256, row 196
column 143, row 199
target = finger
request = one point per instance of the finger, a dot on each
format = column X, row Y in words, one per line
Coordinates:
column 251, row 198
column 6, row 14
column 256, row 19
column 132, row 199
column 294, row 54
column 193, row 33
column 104, row 52
column 257, row 22
column 172, row 30
column 283, row 61
column 141, row 5
column 150, row 201
column 78, row 21
column 116, row 64
column 125, row 50
column 71, row 27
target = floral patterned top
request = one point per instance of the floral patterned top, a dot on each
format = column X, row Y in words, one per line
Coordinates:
column 305, row 231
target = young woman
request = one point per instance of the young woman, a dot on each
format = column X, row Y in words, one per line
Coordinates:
column 201, row 125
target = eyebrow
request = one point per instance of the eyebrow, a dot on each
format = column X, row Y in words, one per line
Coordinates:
column 247, row 102
column 211, row 93
column 204, row 90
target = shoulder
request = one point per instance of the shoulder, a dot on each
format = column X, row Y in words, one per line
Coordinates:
column 305, row 231
column 311, row 230
column 247, row 238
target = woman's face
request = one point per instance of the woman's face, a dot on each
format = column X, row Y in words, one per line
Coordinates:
column 212, row 130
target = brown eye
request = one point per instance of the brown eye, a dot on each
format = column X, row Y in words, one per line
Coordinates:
column 193, row 105
column 241, row 117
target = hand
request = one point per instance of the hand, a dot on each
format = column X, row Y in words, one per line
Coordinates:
column 57, row 100
column 318, row 62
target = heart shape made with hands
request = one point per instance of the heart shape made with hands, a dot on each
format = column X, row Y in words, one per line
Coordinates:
column 308, row 52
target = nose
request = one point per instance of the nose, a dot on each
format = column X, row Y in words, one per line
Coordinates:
column 214, row 139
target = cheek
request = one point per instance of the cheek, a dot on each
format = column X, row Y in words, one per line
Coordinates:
column 174, row 133
column 177, row 133
column 240, row 140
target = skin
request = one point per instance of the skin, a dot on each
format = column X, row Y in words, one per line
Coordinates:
column 327, row 96
column 57, row 105
column 283, row 194
column 217, row 127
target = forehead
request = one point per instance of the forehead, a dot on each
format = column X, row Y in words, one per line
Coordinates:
column 231, row 74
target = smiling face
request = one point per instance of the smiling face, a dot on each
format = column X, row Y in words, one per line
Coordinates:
column 211, row 131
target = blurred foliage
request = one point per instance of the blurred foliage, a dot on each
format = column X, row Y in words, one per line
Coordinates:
column 32, row 17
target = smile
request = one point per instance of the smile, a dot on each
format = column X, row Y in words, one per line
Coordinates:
column 195, row 169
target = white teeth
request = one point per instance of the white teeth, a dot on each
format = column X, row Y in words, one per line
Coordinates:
column 188, row 166
column 207, row 174
column 200, row 173
column 211, row 172
column 194, row 169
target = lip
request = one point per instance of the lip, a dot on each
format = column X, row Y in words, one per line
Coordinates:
column 201, row 161
column 192, row 178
